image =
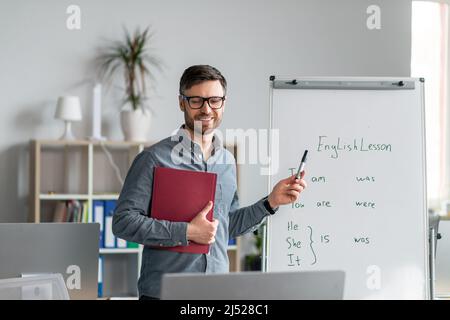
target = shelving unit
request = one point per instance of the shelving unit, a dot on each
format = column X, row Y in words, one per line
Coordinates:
column 80, row 170
column 66, row 170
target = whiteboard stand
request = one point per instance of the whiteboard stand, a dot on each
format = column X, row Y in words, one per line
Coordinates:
column 434, row 236
column 354, row 127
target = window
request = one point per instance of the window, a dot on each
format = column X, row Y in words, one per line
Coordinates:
column 430, row 56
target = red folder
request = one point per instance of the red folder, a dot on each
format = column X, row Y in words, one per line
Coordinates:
column 179, row 195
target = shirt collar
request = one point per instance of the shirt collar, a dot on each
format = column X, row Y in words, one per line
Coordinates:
column 183, row 136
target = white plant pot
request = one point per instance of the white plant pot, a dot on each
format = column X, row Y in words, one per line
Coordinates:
column 135, row 124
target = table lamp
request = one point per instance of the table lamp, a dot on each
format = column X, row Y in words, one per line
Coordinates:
column 68, row 109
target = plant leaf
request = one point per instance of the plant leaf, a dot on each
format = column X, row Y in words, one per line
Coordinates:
column 133, row 59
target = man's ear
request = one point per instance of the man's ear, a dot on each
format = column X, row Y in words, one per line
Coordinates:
column 180, row 102
column 224, row 104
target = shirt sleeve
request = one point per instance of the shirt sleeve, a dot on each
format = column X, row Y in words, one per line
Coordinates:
column 131, row 220
column 246, row 219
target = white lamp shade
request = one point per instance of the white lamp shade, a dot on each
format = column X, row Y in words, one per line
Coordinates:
column 68, row 108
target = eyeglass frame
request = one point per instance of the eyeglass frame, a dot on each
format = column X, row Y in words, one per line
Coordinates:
column 203, row 102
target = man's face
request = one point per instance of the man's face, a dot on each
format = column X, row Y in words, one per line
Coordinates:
column 206, row 117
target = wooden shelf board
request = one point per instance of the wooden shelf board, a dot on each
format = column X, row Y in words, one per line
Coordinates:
column 94, row 143
column 56, row 143
column 118, row 250
column 114, row 196
column 63, row 196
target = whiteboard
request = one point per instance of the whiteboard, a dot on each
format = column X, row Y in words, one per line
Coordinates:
column 364, row 210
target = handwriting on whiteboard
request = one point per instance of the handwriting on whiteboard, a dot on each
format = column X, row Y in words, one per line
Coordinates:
column 301, row 251
column 337, row 145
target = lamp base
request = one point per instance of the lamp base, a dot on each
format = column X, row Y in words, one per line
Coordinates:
column 68, row 135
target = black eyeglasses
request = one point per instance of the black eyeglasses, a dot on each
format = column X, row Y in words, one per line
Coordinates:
column 196, row 102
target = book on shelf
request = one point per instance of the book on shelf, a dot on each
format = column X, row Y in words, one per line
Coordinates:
column 60, row 212
column 70, row 211
column 74, row 208
column 86, row 211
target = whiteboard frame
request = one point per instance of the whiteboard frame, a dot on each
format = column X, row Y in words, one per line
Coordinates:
column 356, row 83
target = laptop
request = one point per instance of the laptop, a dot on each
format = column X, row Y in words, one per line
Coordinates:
column 71, row 249
column 308, row 285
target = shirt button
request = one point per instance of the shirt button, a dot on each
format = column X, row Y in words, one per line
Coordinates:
column 160, row 244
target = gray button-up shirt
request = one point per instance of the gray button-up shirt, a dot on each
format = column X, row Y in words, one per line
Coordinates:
column 131, row 219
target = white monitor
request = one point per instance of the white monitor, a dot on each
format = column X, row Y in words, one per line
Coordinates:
column 43, row 287
column 71, row 249
column 311, row 285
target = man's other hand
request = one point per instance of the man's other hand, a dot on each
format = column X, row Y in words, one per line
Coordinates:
column 200, row 230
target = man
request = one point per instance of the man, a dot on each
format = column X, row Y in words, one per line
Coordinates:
column 202, row 100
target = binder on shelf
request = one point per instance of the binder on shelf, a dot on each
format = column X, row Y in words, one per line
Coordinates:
column 179, row 195
column 99, row 217
column 133, row 245
column 100, row 276
column 121, row 243
column 110, row 239
column 110, row 206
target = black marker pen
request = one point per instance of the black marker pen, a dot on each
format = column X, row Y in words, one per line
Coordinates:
column 302, row 165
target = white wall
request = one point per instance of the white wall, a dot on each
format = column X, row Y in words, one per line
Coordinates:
column 248, row 41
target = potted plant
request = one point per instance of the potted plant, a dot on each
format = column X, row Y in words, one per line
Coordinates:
column 130, row 58
column 253, row 262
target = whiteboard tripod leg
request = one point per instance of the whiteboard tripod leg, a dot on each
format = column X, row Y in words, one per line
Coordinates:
column 432, row 261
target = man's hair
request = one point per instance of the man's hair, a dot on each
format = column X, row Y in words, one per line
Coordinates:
column 198, row 74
